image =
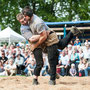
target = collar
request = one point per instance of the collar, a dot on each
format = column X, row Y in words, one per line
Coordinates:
column 31, row 20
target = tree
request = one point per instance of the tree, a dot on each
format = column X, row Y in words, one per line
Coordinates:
column 48, row 10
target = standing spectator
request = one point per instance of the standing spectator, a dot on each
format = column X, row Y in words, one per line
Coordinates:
column 72, row 70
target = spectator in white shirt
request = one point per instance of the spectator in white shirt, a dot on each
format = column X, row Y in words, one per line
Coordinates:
column 81, row 68
column 64, row 64
column 87, row 52
column 10, row 69
column 19, row 62
column 87, row 42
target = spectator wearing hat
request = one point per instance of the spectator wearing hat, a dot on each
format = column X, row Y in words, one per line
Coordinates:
column 17, row 48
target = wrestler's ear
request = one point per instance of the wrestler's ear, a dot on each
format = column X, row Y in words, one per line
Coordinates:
column 27, row 17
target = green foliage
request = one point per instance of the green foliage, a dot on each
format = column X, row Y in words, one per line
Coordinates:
column 48, row 10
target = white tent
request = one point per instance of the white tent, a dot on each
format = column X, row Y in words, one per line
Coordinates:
column 8, row 35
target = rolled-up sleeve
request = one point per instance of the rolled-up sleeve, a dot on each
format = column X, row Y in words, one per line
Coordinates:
column 40, row 27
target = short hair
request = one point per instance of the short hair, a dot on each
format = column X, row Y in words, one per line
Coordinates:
column 19, row 16
column 27, row 11
column 72, row 65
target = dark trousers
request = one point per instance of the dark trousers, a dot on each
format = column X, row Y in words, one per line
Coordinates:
column 64, row 42
column 20, row 69
column 52, row 56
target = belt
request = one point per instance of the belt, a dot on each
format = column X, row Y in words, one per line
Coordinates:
column 51, row 32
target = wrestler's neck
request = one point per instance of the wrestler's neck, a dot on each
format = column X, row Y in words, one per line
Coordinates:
column 31, row 19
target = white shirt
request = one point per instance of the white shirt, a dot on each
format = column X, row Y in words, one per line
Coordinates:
column 10, row 67
column 81, row 66
column 65, row 60
column 86, row 53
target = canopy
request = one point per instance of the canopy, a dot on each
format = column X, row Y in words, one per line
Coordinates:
column 9, row 35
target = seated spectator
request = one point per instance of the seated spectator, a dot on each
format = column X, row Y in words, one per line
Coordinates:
column 86, row 67
column 1, row 67
column 17, row 48
column 23, row 51
column 81, row 54
column 4, row 48
column 27, row 47
column 87, row 42
column 77, row 42
column 13, row 56
column 64, row 64
column 26, row 56
column 2, row 70
column 19, row 52
column 19, row 61
column 74, row 57
column 31, row 57
column 12, row 47
column 71, row 43
column 3, row 58
column 70, row 50
column 87, row 52
column 81, row 68
column 29, row 70
column 72, row 70
column 10, row 69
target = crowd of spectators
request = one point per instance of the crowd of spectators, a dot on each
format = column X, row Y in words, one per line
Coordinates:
column 74, row 60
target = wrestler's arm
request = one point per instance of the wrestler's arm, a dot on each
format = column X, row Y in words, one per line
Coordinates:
column 43, row 37
column 34, row 38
